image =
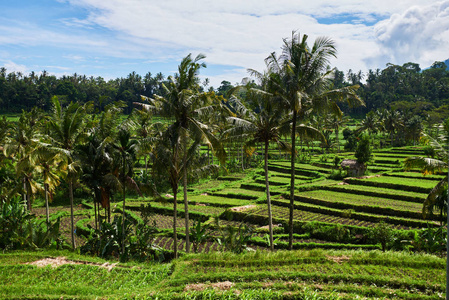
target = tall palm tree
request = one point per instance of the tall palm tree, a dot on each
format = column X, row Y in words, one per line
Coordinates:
column 431, row 165
column 304, row 83
column 187, row 107
column 126, row 149
column 261, row 124
column 24, row 138
column 392, row 122
column 67, row 131
column 97, row 158
column 50, row 163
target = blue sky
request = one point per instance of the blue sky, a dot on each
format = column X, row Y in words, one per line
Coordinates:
column 115, row 37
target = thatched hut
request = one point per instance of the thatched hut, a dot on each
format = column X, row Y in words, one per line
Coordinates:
column 353, row 167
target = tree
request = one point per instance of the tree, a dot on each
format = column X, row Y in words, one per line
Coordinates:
column 370, row 124
column 186, row 106
column 392, row 123
column 261, row 127
column 431, row 165
column 67, row 131
column 303, row 83
column 97, row 158
column 363, row 150
column 19, row 146
column 126, row 149
column 50, row 162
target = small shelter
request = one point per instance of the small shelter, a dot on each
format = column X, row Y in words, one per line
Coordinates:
column 353, row 167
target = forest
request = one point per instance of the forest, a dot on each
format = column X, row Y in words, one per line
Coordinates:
column 180, row 184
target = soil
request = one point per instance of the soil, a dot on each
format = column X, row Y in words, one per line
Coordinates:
column 243, row 208
column 339, row 259
column 222, row 286
column 60, row 260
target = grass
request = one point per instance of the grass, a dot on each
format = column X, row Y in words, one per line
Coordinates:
column 343, row 197
column 363, row 189
column 404, row 181
column 300, row 274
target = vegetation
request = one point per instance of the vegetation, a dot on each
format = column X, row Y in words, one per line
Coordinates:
column 259, row 166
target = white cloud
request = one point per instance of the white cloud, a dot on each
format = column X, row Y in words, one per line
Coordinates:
column 14, row 67
column 419, row 34
column 240, row 34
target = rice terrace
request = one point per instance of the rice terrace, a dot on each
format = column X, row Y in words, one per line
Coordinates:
column 301, row 183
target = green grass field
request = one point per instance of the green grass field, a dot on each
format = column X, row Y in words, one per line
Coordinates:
column 299, row 274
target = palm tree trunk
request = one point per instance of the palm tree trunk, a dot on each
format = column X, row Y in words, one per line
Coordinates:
column 123, row 219
column 186, row 202
column 95, row 213
column 71, row 213
column 186, row 208
column 337, row 139
column 175, row 217
column 447, row 244
column 267, row 187
column 292, row 182
column 26, row 198
column 47, row 209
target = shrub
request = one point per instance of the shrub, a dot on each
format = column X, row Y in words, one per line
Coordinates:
column 106, row 242
column 363, row 150
column 383, row 234
column 430, row 240
column 21, row 230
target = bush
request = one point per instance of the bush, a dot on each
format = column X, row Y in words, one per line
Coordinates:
column 363, row 150
column 383, row 234
column 21, row 230
column 430, row 240
column 107, row 242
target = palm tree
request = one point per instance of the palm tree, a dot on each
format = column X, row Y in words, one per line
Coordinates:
column 303, row 82
column 187, row 107
column 261, row 124
column 126, row 149
column 392, row 122
column 19, row 146
column 167, row 160
column 67, row 131
column 431, row 165
column 97, row 158
column 370, row 123
column 50, row 163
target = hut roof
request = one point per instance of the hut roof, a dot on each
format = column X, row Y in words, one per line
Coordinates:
column 351, row 163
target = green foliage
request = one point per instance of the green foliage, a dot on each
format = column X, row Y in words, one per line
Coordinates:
column 106, row 242
column 363, row 150
column 338, row 174
column 21, row 230
column 335, row 233
column 383, row 233
column 199, row 233
column 234, row 239
column 430, row 240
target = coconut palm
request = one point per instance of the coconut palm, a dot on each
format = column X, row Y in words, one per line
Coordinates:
column 126, row 149
column 50, row 163
column 187, row 107
column 431, row 165
column 67, row 131
column 392, row 122
column 97, row 158
column 303, row 83
column 19, row 145
column 261, row 124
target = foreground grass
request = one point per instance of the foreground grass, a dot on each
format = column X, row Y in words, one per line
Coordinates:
column 314, row 274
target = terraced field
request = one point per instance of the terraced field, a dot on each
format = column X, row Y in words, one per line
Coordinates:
column 357, row 204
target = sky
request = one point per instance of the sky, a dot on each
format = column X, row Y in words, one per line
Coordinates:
column 112, row 38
